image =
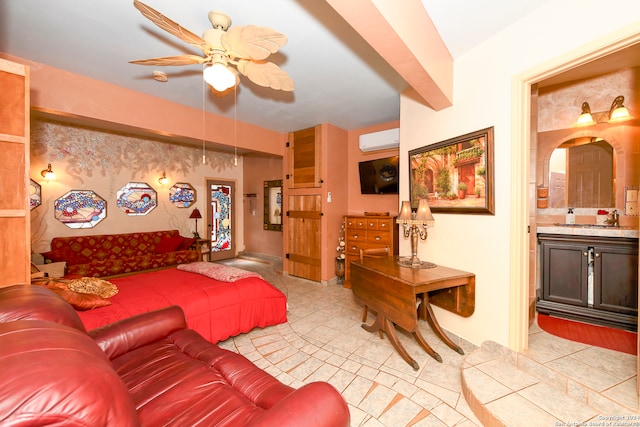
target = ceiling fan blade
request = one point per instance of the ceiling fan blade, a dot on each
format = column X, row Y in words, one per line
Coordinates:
column 252, row 42
column 171, row 27
column 266, row 74
column 171, row 60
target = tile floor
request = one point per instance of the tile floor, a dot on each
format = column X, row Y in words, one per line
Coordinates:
column 555, row 383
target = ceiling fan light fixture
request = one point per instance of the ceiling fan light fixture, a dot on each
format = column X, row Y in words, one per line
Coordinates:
column 219, row 76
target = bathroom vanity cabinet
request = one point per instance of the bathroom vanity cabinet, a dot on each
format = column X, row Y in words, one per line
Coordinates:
column 590, row 278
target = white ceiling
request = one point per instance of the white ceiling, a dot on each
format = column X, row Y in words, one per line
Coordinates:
column 339, row 79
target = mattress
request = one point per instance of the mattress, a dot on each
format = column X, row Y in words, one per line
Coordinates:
column 215, row 309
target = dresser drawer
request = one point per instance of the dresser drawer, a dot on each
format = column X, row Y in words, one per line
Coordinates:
column 379, row 237
column 378, row 224
column 356, row 223
column 353, row 248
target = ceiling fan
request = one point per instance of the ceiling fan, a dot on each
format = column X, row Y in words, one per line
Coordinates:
column 246, row 47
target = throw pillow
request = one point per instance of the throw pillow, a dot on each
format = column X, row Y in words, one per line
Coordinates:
column 223, row 273
column 66, row 254
column 93, row 285
column 186, row 243
column 80, row 302
column 168, row 244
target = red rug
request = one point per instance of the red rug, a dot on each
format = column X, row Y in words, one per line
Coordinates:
column 596, row 335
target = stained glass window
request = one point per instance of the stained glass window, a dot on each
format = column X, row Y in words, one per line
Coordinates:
column 80, row 209
column 182, row 195
column 137, row 198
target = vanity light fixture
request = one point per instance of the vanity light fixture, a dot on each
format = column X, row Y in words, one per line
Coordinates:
column 163, row 180
column 585, row 119
column 48, row 173
column 415, row 225
column 617, row 113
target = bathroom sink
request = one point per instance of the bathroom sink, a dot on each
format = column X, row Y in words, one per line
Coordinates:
column 586, row 225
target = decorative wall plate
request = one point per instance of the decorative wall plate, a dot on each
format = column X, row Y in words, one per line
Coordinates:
column 80, row 209
column 35, row 194
column 182, row 195
column 137, row 198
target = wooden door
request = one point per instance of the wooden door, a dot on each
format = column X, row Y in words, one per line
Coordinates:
column 590, row 175
column 220, row 219
column 304, row 158
column 15, row 239
column 305, row 236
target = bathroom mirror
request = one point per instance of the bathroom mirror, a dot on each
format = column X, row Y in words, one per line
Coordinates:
column 581, row 174
column 273, row 205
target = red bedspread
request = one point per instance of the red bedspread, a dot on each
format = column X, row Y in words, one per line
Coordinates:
column 217, row 310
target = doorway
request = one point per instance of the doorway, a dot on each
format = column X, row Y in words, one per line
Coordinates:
column 521, row 161
column 220, row 219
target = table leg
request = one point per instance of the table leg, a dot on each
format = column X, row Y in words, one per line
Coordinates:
column 378, row 325
column 391, row 332
column 431, row 318
column 423, row 343
column 384, row 324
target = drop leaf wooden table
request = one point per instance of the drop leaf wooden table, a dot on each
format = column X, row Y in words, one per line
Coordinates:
column 400, row 294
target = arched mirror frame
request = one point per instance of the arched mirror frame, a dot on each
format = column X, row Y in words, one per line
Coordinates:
column 560, row 196
column 613, row 135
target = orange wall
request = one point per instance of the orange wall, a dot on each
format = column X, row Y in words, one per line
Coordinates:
column 361, row 203
column 92, row 101
column 256, row 239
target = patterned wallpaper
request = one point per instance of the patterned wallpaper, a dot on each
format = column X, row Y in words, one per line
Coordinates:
column 86, row 158
column 87, row 151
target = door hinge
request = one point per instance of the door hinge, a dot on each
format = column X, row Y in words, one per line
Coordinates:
column 286, row 176
column 528, row 229
column 286, row 144
column 286, row 256
column 287, row 213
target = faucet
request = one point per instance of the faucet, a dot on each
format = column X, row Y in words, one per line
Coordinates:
column 614, row 219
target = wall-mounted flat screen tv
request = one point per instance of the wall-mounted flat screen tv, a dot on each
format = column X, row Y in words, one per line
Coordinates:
column 379, row 176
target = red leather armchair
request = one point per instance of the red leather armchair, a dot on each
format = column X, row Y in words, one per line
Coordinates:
column 145, row 370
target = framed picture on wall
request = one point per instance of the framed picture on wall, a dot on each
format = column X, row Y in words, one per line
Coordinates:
column 273, row 205
column 456, row 175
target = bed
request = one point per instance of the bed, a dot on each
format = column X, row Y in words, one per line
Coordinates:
column 216, row 309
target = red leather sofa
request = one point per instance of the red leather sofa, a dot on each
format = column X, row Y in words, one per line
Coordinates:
column 145, row 370
column 110, row 254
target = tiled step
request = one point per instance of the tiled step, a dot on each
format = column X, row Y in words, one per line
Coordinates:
column 506, row 388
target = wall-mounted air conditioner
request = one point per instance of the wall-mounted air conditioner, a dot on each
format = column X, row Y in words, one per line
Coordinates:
column 382, row 140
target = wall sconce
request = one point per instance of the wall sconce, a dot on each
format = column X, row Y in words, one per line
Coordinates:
column 48, row 173
column 195, row 215
column 163, row 180
column 617, row 113
column 414, row 226
column 585, row 118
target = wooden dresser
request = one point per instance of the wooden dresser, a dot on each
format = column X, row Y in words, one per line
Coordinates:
column 375, row 231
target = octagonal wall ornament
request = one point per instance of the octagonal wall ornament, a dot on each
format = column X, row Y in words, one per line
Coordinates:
column 137, row 198
column 80, row 209
column 35, row 194
column 182, row 195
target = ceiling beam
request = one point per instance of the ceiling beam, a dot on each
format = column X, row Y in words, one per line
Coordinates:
column 404, row 35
